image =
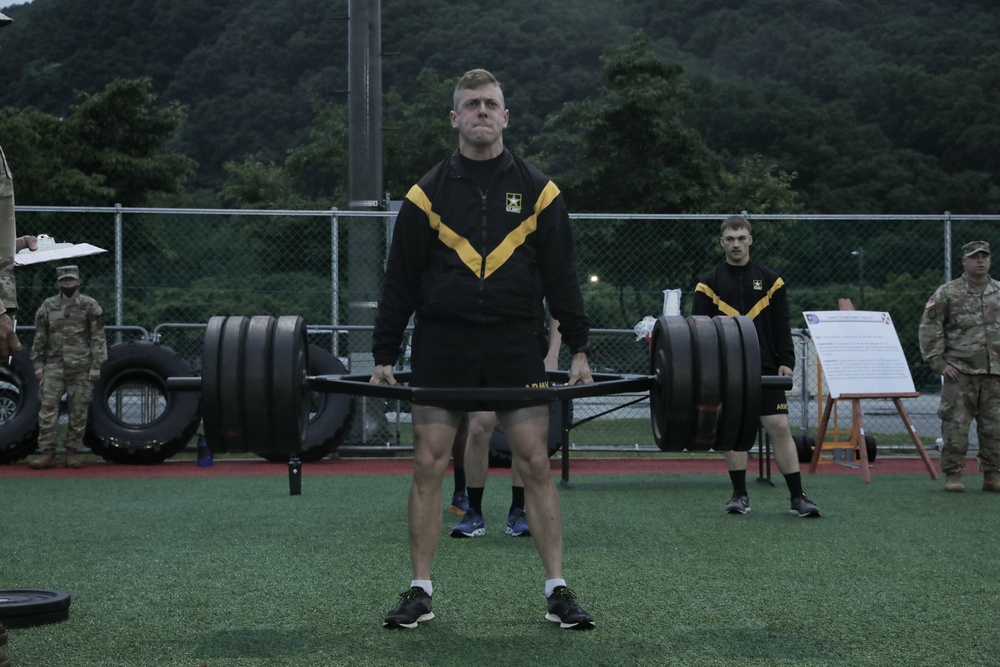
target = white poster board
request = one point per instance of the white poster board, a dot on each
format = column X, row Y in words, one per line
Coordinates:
column 860, row 352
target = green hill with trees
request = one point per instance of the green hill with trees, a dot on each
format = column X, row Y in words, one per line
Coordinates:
column 849, row 105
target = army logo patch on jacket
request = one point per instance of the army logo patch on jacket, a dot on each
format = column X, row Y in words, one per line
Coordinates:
column 513, row 202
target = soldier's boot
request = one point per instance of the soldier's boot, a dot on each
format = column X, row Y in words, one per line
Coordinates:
column 953, row 482
column 991, row 481
column 71, row 459
column 45, row 461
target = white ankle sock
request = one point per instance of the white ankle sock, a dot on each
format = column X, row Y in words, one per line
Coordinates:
column 424, row 584
column 550, row 585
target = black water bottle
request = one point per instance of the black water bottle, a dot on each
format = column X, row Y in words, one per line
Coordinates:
column 294, row 476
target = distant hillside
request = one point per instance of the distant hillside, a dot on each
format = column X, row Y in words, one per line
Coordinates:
column 879, row 106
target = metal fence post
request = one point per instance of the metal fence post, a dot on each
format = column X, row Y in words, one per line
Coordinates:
column 119, row 258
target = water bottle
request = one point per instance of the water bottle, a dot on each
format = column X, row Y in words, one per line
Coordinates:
column 204, row 453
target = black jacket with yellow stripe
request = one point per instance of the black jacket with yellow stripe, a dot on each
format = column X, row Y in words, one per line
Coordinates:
column 463, row 255
column 759, row 293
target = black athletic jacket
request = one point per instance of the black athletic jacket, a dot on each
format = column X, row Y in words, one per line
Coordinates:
column 462, row 255
column 759, row 293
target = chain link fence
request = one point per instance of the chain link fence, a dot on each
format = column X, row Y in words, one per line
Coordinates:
column 167, row 271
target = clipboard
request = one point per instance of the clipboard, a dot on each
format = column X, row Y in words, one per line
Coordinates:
column 50, row 251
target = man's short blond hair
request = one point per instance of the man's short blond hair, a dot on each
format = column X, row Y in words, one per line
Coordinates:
column 475, row 78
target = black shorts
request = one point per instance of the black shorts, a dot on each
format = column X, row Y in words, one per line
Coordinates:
column 449, row 354
column 773, row 401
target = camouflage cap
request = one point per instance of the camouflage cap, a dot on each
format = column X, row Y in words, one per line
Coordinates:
column 5, row 20
column 70, row 271
column 972, row 247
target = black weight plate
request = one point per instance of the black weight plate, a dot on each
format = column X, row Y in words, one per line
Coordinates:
column 707, row 382
column 289, row 393
column 751, row 386
column 258, row 414
column 231, row 399
column 330, row 413
column 658, row 390
column 32, row 620
column 731, row 359
column 671, row 369
column 211, row 395
column 25, row 607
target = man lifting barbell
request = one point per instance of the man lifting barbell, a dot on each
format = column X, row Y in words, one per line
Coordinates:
column 738, row 286
column 471, row 243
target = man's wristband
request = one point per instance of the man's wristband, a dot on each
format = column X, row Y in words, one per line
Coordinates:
column 583, row 349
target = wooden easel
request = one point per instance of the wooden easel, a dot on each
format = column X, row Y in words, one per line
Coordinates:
column 857, row 441
column 858, row 431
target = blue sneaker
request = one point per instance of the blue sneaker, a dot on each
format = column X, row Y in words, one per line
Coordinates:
column 472, row 525
column 459, row 503
column 517, row 523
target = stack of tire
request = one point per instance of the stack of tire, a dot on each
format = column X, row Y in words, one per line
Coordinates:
column 19, row 405
column 135, row 419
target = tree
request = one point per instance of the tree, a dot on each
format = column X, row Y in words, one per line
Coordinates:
column 633, row 149
column 111, row 149
column 417, row 132
column 630, row 149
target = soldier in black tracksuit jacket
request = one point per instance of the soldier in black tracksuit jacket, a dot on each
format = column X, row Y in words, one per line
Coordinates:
column 478, row 244
column 461, row 255
column 759, row 293
column 740, row 286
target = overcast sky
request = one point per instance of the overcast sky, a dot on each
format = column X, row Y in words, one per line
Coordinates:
column 8, row 3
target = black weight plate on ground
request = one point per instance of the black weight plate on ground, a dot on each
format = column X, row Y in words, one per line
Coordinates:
column 25, row 607
column 258, row 409
column 674, row 366
column 731, row 358
column 289, row 393
column 231, row 400
column 211, row 395
column 37, row 619
column 707, row 382
column 752, row 384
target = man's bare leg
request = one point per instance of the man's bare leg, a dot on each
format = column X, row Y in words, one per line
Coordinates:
column 433, row 434
column 527, row 431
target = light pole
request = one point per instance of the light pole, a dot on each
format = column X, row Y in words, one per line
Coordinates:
column 860, row 254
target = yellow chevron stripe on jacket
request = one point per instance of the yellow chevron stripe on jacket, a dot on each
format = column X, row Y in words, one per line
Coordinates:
column 469, row 255
column 726, row 309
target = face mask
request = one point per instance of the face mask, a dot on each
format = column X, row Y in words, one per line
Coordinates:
column 69, row 291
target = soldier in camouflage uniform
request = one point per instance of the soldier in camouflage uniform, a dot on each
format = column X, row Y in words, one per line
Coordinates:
column 68, row 351
column 9, row 244
column 960, row 339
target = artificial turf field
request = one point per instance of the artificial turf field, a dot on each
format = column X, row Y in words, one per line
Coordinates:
column 230, row 570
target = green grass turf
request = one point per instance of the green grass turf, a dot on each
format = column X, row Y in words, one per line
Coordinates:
column 235, row 572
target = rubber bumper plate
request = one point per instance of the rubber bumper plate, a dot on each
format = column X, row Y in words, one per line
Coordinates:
column 25, row 607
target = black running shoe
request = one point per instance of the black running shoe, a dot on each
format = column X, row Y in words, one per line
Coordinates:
column 567, row 612
column 804, row 507
column 738, row 504
column 413, row 607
